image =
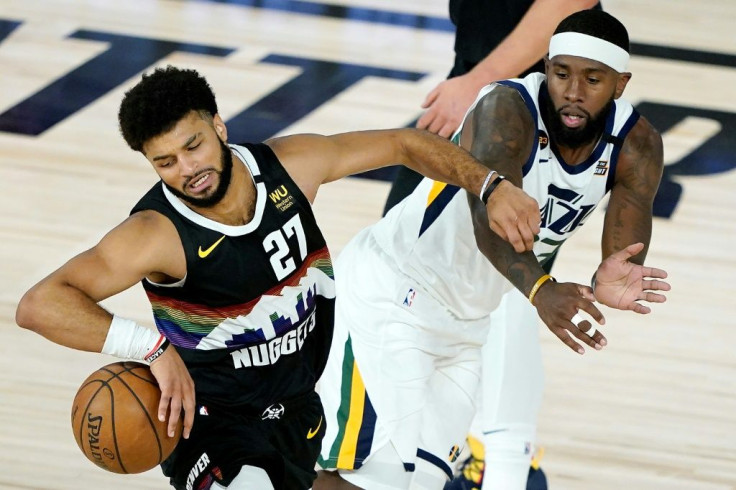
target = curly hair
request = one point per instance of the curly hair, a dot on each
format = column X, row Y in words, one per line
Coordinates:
column 160, row 100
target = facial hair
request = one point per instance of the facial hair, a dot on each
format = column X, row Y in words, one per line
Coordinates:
column 226, row 161
column 574, row 137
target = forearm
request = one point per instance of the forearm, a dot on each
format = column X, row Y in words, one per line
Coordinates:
column 438, row 159
column 64, row 315
column 521, row 269
column 528, row 42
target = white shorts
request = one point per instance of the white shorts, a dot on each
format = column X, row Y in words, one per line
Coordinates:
column 402, row 368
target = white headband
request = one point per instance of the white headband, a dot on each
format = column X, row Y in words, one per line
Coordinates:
column 591, row 47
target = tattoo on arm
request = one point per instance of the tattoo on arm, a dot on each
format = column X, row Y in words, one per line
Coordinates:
column 639, row 171
column 501, row 134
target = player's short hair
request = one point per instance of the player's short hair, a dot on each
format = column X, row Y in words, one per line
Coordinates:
column 160, row 100
column 596, row 23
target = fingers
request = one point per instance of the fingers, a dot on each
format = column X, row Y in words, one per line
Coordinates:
column 431, row 97
column 568, row 340
column 189, row 411
column 424, row 121
column 653, row 285
column 511, row 234
column 586, row 292
column 589, row 308
column 654, row 272
column 448, row 129
column 174, row 415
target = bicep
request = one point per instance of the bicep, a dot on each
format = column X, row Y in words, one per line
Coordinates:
column 138, row 247
column 312, row 159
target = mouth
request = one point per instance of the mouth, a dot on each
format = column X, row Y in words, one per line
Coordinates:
column 200, row 183
column 572, row 117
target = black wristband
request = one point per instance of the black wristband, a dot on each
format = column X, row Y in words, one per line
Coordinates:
column 491, row 188
column 157, row 352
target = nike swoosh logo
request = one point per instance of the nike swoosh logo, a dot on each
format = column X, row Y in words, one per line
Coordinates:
column 313, row 433
column 205, row 253
column 494, row 431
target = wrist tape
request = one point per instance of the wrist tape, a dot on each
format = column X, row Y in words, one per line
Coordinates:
column 128, row 340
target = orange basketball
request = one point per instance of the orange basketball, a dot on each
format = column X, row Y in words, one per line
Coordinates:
column 114, row 418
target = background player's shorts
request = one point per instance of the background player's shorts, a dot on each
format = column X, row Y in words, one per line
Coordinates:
column 223, row 440
column 402, row 368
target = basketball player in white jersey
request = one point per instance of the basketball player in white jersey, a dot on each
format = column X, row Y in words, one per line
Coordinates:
column 415, row 290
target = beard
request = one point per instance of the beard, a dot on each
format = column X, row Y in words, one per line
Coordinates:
column 226, row 162
column 574, row 137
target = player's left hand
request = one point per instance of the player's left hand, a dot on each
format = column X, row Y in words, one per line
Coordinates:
column 559, row 306
column 621, row 284
column 514, row 216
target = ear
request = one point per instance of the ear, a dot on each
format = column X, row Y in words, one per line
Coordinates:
column 220, row 127
column 623, row 79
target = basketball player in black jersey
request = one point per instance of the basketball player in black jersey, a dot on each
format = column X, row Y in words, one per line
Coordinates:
column 238, row 275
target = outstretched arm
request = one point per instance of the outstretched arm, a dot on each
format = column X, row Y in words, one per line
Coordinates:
column 312, row 160
column 621, row 280
column 447, row 103
column 501, row 133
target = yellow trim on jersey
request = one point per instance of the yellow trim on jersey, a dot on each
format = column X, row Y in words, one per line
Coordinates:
column 435, row 191
column 349, row 446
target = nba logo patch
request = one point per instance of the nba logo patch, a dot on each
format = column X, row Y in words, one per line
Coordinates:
column 203, row 410
column 409, row 297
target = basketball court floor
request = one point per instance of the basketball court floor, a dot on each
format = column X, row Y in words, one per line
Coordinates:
column 655, row 410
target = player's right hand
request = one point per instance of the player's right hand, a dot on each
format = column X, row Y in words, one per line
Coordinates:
column 557, row 303
column 177, row 391
column 446, row 105
column 514, row 216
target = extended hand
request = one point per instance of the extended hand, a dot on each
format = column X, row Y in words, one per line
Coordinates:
column 447, row 105
column 620, row 283
column 558, row 303
column 514, row 216
column 177, row 391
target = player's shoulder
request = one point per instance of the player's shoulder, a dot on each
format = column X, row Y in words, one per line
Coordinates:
column 501, row 99
column 643, row 139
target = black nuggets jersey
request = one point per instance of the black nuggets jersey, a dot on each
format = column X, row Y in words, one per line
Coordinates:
column 253, row 318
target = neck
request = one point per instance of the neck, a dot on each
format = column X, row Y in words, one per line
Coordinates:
column 575, row 156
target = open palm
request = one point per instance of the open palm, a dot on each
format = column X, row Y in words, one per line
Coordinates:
column 621, row 284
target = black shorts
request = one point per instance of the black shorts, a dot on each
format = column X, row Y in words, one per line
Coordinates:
column 284, row 439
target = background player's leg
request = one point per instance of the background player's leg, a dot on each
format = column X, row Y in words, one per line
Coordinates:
column 512, row 386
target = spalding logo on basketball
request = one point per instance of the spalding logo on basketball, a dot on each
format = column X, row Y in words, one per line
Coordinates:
column 114, row 418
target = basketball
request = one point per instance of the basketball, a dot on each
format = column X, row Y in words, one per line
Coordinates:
column 115, row 422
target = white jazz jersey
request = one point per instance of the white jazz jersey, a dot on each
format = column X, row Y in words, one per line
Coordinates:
column 430, row 233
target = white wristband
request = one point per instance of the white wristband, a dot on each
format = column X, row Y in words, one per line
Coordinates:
column 128, row 340
column 485, row 183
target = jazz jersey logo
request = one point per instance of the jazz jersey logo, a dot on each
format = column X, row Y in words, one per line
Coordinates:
column 281, row 198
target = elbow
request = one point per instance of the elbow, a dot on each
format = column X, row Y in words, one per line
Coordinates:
column 26, row 315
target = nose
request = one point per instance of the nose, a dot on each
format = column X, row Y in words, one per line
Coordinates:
column 574, row 90
column 187, row 165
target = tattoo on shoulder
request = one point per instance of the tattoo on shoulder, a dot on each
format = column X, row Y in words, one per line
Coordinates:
column 503, row 131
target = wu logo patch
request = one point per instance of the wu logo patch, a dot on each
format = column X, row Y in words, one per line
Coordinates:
column 281, row 198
